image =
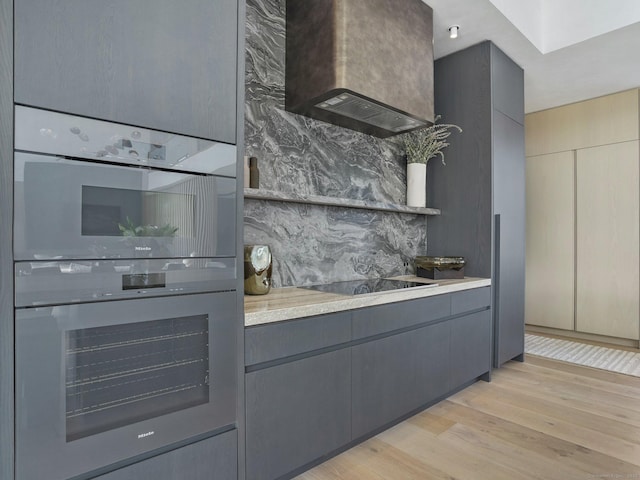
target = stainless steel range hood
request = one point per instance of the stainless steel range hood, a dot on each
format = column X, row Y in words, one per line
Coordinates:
column 366, row 65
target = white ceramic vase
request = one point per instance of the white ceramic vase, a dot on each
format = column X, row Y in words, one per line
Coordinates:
column 416, row 185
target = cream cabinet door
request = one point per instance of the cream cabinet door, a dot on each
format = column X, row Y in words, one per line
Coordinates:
column 550, row 241
column 599, row 121
column 607, row 280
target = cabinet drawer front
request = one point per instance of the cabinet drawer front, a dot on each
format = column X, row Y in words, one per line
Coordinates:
column 279, row 340
column 214, row 457
column 396, row 316
column 469, row 300
column 470, row 354
column 297, row 413
column 395, row 375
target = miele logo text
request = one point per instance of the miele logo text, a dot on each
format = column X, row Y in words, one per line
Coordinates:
column 143, row 249
column 148, row 434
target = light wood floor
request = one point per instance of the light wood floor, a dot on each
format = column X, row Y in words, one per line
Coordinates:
column 541, row 419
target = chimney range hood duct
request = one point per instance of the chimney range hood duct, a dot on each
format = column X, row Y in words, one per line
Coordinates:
column 366, row 65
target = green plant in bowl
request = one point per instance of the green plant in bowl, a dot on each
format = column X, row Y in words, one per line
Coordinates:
column 129, row 229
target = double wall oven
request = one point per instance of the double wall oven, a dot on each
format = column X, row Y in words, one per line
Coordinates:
column 125, row 277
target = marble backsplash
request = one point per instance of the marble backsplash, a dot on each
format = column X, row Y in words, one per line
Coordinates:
column 296, row 154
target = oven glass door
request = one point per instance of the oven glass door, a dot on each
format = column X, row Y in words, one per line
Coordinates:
column 98, row 383
column 68, row 209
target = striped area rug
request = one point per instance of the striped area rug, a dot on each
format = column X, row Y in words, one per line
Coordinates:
column 611, row 359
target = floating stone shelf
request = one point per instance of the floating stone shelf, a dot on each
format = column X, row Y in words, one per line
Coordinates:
column 260, row 194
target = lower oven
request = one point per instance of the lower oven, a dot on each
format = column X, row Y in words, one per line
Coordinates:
column 97, row 383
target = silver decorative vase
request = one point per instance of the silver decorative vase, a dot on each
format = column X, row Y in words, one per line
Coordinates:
column 257, row 269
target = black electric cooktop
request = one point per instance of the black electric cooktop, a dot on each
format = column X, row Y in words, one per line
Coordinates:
column 359, row 287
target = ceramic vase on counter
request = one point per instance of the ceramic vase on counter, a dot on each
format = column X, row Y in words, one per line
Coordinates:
column 416, row 184
column 257, row 269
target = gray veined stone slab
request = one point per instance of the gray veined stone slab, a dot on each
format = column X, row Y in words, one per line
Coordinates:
column 303, row 156
column 319, row 244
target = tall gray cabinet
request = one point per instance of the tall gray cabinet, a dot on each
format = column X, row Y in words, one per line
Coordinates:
column 163, row 65
column 174, row 66
column 480, row 191
column 6, row 235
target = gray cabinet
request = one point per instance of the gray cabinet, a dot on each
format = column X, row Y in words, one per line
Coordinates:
column 265, row 343
column 297, row 412
column 397, row 375
column 470, row 348
column 213, row 458
column 400, row 373
column 298, row 394
column 6, row 243
column 319, row 384
column 481, row 190
column 507, row 86
column 509, row 237
column 164, row 64
column 382, row 319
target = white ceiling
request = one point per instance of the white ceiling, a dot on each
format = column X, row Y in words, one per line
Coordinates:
column 570, row 50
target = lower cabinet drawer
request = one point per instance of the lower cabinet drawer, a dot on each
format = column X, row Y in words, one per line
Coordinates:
column 283, row 339
column 468, row 300
column 383, row 319
column 213, row 458
column 470, row 348
column 296, row 413
column 396, row 375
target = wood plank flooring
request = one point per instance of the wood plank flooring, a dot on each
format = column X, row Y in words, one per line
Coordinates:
column 541, row 419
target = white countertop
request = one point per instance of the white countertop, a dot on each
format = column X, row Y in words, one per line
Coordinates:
column 292, row 302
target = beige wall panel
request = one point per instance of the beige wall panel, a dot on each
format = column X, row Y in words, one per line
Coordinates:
column 550, row 244
column 607, row 281
column 600, row 121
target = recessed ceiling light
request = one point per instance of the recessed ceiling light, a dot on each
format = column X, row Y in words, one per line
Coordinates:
column 453, row 31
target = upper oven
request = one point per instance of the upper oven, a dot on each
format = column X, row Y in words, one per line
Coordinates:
column 141, row 194
column 70, row 209
column 105, row 211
